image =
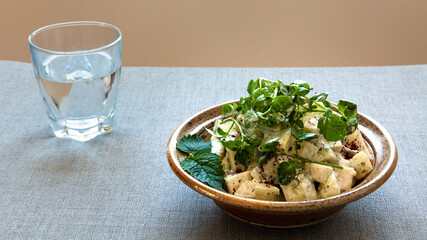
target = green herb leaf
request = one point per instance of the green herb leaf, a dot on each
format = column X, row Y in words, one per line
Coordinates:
column 282, row 102
column 298, row 87
column 319, row 97
column 193, row 143
column 351, row 125
column 233, row 144
column 299, row 123
column 304, row 160
column 265, row 157
column 250, row 119
column 242, row 156
column 333, row 127
column 252, row 86
column 246, row 150
column 348, row 109
column 306, row 136
column 211, row 133
column 270, row 146
column 287, row 171
column 221, row 132
column 326, row 103
column 227, row 109
column 205, row 167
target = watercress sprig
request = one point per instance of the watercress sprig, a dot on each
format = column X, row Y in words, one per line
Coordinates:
column 277, row 105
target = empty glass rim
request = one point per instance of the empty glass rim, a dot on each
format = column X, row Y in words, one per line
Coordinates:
column 118, row 39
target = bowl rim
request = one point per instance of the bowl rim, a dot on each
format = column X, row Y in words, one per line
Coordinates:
column 354, row 194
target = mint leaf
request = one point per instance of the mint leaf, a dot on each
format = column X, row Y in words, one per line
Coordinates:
column 193, row 143
column 205, row 167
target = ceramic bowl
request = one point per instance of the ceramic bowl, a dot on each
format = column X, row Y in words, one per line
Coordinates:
column 286, row 214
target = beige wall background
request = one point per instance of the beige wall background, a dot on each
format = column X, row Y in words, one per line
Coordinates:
column 235, row 33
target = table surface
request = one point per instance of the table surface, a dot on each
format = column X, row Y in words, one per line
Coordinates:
column 120, row 186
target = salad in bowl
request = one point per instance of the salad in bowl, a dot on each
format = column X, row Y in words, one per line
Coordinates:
column 280, row 143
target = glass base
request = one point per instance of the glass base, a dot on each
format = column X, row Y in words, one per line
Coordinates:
column 81, row 129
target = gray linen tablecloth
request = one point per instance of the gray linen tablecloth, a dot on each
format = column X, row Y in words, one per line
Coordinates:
column 120, row 186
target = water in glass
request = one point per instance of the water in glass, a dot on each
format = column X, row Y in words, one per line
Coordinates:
column 80, row 93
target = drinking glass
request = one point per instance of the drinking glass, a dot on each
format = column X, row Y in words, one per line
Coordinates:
column 77, row 66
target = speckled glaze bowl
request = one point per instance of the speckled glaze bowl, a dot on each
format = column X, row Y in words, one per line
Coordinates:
column 286, row 214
